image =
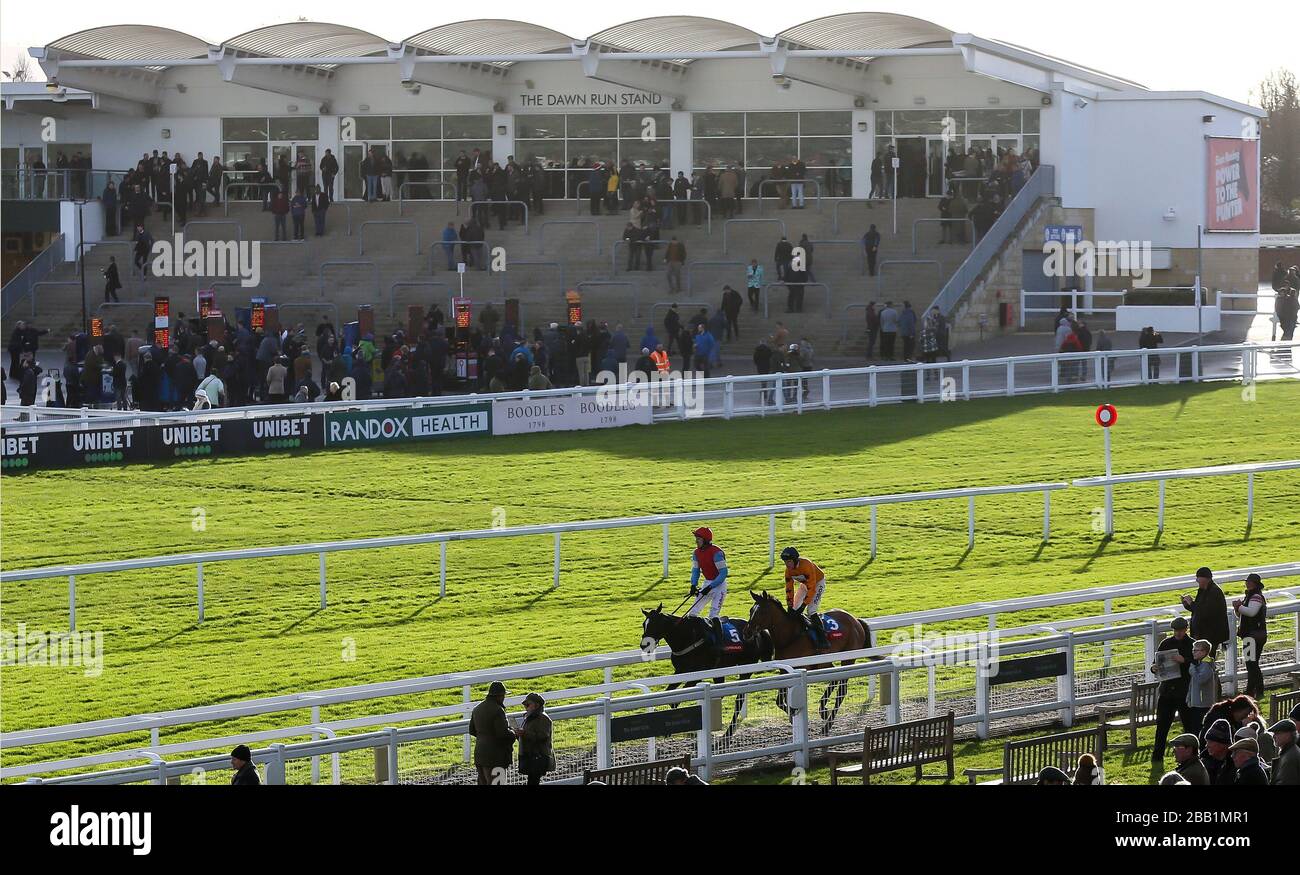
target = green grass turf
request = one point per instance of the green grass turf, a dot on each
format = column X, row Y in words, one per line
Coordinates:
column 265, row 633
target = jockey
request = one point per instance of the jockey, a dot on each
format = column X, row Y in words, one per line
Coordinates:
column 708, row 560
column 812, row 584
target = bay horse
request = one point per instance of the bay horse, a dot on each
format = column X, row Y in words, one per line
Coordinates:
column 690, row 640
column 790, row 640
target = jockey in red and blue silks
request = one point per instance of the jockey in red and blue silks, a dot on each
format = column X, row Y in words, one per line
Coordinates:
column 710, row 562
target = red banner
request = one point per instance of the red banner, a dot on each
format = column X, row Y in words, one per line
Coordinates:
column 1232, row 185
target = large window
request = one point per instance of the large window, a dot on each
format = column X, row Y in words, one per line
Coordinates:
column 940, row 148
column 423, row 148
column 567, row 146
column 754, row 141
column 249, row 139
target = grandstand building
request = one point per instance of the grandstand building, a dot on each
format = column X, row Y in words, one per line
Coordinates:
column 678, row 93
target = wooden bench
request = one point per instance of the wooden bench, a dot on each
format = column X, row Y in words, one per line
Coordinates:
column 1023, row 760
column 1140, row 711
column 652, row 772
column 898, row 746
column 1281, row 704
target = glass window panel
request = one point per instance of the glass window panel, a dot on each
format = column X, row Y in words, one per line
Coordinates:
column 718, row 124
column 920, row 121
column 994, row 121
column 770, row 124
column 885, row 122
column 630, row 125
column 766, row 151
column 539, row 127
column 719, row 152
column 549, row 152
column 370, row 127
column 233, row 153
column 819, row 151
column 589, row 151
column 1030, row 120
column 295, row 128
column 243, row 129
column 416, row 154
column 467, row 127
column 451, row 151
column 417, row 127
column 592, row 126
column 1031, row 146
column 645, row 154
column 825, row 123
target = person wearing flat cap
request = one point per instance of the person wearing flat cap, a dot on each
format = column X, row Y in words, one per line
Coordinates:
column 241, row 760
column 1209, row 610
column 1171, row 697
column 536, row 752
column 1286, row 765
column 1169, row 779
column 1052, row 775
column 1250, row 771
column 494, row 740
column 1215, row 758
column 1187, row 753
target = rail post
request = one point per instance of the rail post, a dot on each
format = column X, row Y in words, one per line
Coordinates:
column 873, row 531
column 1047, row 515
column 771, row 540
column 1065, row 683
column 72, row 602
column 199, row 570
column 704, row 737
column 442, row 569
column 665, row 550
column 322, row 580
column 556, row 581
column 970, row 523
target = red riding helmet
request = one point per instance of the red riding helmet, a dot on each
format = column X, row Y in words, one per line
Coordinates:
column 704, row 532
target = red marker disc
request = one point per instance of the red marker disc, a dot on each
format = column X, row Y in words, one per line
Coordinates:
column 1106, row 415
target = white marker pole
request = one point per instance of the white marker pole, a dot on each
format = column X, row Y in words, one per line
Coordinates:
column 1110, row 495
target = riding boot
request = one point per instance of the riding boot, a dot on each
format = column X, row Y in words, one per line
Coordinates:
column 823, row 642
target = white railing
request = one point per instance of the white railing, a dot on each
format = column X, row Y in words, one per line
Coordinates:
column 915, row 622
column 905, row 676
column 555, row 530
column 767, row 394
column 1080, row 302
column 1250, row 469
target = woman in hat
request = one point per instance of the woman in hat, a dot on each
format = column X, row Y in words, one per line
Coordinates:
column 536, row 753
column 1252, row 628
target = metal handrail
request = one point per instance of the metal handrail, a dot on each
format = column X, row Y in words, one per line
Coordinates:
column 839, row 202
column 541, row 235
column 227, row 186
column 727, row 223
column 1075, row 296
column 361, row 233
column 442, row 186
column 23, row 284
column 813, row 180
column 434, row 252
column 354, row 262
column 1042, row 184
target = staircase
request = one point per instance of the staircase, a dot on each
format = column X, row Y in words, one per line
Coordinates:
column 290, row 273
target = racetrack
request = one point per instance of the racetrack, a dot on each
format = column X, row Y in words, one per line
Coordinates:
column 265, row 633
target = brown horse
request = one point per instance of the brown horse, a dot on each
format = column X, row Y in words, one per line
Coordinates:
column 791, row 640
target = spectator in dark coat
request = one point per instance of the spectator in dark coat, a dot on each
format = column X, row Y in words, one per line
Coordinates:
column 241, row 760
column 1209, row 610
column 1172, row 695
column 1250, row 771
column 1286, row 766
column 1187, row 748
column 493, row 737
column 536, row 751
column 1215, row 757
